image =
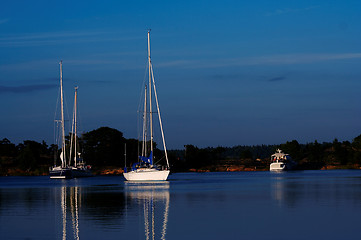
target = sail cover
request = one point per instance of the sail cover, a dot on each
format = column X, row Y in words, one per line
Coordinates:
column 147, row 159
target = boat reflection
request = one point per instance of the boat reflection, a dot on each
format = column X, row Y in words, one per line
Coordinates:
column 153, row 198
column 70, row 204
column 278, row 190
column 288, row 190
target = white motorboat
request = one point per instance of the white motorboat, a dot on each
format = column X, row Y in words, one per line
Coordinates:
column 281, row 161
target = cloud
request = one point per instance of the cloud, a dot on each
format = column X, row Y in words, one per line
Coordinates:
column 289, row 10
column 27, row 88
column 286, row 59
column 276, row 79
column 3, row 21
column 300, row 58
column 54, row 38
column 175, row 63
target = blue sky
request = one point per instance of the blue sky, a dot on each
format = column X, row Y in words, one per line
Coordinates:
column 228, row 72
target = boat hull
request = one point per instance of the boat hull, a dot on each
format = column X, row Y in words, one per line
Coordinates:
column 147, row 175
column 60, row 173
column 81, row 172
column 277, row 167
column 281, row 166
column 68, row 173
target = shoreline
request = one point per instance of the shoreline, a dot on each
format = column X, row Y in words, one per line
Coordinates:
column 110, row 171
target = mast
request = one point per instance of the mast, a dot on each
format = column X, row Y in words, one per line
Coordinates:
column 125, row 154
column 63, row 155
column 144, row 143
column 73, row 140
column 150, row 98
column 75, row 125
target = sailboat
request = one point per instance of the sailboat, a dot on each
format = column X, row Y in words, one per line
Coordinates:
column 79, row 169
column 66, row 170
column 62, row 171
column 145, row 169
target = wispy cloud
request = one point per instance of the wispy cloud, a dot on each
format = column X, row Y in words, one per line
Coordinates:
column 194, row 63
column 299, row 58
column 27, row 88
column 3, row 21
column 50, row 63
column 289, row 10
column 276, row 79
column 286, row 59
column 53, row 38
column 175, row 63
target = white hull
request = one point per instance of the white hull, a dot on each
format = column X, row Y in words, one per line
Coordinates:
column 146, row 175
column 58, row 177
column 281, row 162
column 281, row 166
column 278, row 167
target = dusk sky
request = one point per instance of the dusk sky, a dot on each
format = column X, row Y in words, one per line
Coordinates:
column 227, row 72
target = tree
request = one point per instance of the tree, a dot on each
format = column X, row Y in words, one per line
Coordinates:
column 103, row 146
column 293, row 148
column 7, row 148
column 246, row 154
column 356, row 143
column 29, row 154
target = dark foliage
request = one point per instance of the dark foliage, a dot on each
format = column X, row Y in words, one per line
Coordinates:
column 106, row 147
column 103, row 146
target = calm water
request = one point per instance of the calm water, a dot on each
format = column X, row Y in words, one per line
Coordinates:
column 242, row 205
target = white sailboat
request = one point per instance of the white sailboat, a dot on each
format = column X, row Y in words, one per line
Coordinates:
column 79, row 169
column 62, row 171
column 145, row 169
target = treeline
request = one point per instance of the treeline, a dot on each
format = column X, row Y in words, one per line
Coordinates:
column 105, row 147
column 102, row 148
column 326, row 155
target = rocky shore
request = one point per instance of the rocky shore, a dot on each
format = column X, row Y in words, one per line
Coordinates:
column 110, row 170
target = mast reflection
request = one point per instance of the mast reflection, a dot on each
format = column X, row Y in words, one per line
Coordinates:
column 70, row 202
column 153, row 198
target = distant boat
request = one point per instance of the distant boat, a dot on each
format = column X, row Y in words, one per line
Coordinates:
column 62, row 171
column 79, row 169
column 281, row 162
column 145, row 169
column 66, row 170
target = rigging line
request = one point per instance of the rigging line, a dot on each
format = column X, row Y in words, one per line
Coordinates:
column 140, row 112
column 144, row 139
column 161, row 159
column 141, row 90
column 160, row 119
column 79, row 125
column 55, row 115
column 71, row 134
column 57, row 104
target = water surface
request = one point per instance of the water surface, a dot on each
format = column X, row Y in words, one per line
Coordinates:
column 240, row 205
